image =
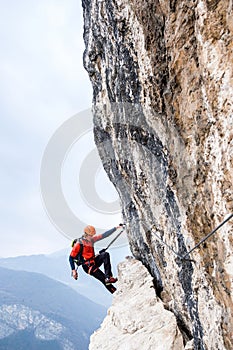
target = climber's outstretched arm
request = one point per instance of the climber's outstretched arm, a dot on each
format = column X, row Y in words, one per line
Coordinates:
column 105, row 234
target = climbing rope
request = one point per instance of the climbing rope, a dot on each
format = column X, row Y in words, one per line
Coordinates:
column 208, row 236
column 160, row 239
column 196, row 246
column 123, row 228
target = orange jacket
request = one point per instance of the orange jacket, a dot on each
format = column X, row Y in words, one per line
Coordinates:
column 88, row 246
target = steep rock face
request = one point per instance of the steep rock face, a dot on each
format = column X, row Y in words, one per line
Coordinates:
column 129, row 323
column 162, row 92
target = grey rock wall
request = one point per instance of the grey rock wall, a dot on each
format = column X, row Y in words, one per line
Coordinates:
column 162, row 99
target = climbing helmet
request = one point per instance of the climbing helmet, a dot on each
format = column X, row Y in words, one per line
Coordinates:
column 90, row 230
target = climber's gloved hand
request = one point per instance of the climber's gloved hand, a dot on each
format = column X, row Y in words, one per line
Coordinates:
column 75, row 274
column 121, row 226
column 102, row 251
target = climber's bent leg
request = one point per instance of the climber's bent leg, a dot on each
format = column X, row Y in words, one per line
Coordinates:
column 104, row 257
column 99, row 275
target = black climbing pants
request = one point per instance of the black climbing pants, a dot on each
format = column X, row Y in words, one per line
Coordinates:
column 104, row 258
column 93, row 270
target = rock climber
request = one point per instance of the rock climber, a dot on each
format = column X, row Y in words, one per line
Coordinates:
column 90, row 261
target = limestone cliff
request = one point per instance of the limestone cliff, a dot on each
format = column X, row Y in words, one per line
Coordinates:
column 128, row 324
column 162, row 92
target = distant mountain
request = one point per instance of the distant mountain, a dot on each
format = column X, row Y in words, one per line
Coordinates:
column 56, row 266
column 26, row 339
column 37, row 312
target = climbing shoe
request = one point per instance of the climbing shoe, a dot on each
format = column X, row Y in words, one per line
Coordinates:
column 110, row 280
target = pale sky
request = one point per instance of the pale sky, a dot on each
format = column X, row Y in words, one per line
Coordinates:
column 43, row 84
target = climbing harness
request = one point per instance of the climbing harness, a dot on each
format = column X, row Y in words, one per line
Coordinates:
column 184, row 257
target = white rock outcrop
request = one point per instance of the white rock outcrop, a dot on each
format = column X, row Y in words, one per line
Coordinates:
column 137, row 318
